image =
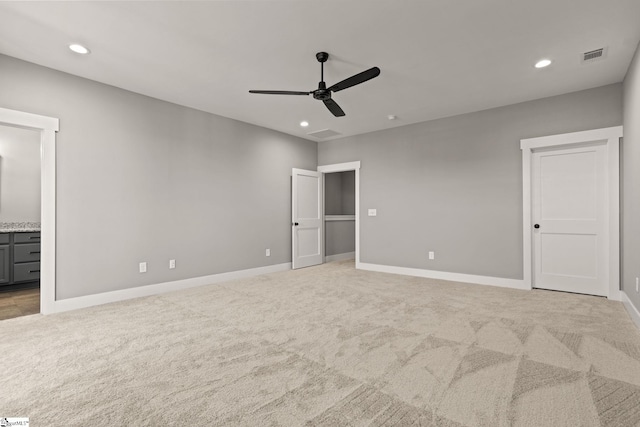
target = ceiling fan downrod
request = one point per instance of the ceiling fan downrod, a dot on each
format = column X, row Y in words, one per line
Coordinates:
column 322, row 58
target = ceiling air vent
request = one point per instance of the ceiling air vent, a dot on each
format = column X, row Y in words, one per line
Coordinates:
column 594, row 55
column 324, row 133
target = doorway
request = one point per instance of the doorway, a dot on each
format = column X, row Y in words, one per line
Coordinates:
column 47, row 128
column 19, row 222
column 571, row 212
column 308, row 213
column 339, row 216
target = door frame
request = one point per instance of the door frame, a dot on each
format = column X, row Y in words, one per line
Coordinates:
column 343, row 167
column 611, row 139
column 47, row 126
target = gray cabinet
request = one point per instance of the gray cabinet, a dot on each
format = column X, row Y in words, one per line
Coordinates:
column 26, row 272
column 19, row 258
column 30, row 237
column 28, row 252
column 5, row 264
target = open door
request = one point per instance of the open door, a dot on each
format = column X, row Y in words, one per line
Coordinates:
column 306, row 219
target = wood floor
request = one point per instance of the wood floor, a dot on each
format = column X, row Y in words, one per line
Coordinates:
column 19, row 303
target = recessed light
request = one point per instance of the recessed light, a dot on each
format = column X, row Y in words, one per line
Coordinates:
column 304, row 123
column 543, row 63
column 78, row 48
column 392, row 117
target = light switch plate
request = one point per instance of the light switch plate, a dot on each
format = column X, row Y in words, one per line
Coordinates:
column 373, row 212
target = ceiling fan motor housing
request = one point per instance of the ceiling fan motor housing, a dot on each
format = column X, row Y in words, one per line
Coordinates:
column 322, row 92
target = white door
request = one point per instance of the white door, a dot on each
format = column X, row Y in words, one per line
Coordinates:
column 570, row 219
column 306, row 220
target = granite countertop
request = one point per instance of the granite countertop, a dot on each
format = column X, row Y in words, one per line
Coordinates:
column 18, row 227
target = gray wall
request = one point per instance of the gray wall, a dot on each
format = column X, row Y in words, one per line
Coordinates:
column 340, row 199
column 631, row 182
column 340, row 237
column 333, row 193
column 348, row 191
column 144, row 180
column 454, row 185
column 340, row 193
column 19, row 175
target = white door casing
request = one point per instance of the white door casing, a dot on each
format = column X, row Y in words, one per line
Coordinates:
column 307, row 220
column 47, row 126
column 569, row 197
column 344, row 167
column 571, row 189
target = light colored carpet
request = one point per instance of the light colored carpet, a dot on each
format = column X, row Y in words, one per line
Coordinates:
column 327, row 346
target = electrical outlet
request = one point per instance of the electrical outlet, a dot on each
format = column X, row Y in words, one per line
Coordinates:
column 432, row 255
column 372, row 212
column 267, row 252
column 172, row 263
column 143, row 267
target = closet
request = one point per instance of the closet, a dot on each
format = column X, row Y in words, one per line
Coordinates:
column 339, row 215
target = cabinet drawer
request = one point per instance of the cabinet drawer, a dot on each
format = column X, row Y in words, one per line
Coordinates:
column 26, row 237
column 26, row 271
column 26, row 252
column 4, row 238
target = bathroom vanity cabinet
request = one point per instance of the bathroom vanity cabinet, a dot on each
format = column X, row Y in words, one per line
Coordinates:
column 19, row 258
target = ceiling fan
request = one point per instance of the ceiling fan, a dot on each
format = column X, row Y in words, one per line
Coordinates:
column 323, row 92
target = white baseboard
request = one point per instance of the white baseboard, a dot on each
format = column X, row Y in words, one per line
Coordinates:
column 340, row 257
column 160, row 288
column 631, row 309
column 615, row 295
column 443, row 275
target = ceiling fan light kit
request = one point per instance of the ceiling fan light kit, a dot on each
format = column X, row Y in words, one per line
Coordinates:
column 323, row 93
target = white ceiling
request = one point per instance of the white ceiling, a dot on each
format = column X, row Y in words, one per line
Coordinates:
column 437, row 58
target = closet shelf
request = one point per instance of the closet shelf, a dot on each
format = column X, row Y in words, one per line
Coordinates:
column 339, row 217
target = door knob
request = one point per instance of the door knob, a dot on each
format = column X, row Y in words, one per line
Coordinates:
column 536, row 226
column 295, row 223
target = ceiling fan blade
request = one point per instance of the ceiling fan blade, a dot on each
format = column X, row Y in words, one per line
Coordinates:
column 279, row 92
column 356, row 79
column 333, row 107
